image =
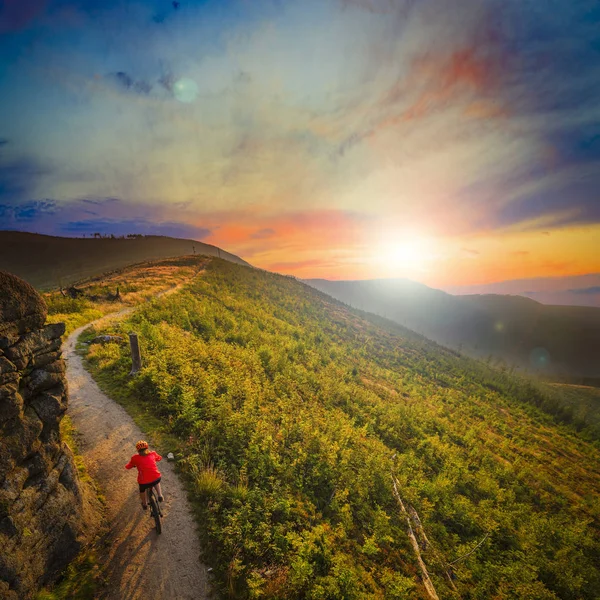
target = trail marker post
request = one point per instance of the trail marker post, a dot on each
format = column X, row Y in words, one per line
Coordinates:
column 136, row 357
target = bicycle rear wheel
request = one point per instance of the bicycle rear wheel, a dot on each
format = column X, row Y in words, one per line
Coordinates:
column 154, row 510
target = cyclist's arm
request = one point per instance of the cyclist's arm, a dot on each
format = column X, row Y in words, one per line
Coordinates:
column 130, row 464
column 157, row 456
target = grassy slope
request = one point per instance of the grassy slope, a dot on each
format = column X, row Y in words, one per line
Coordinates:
column 581, row 401
column 291, row 411
column 48, row 262
column 136, row 284
column 509, row 327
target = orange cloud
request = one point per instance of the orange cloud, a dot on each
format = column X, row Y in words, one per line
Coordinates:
column 337, row 244
column 318, row 228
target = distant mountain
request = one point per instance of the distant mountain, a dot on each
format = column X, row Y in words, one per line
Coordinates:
column 563, row 341
column 572, row 290
column 48, row 262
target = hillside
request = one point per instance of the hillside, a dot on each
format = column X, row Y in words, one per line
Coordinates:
column 560, row 341
column 294, row 414
column 47, row 262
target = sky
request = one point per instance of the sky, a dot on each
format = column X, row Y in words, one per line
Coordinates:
column 453, row 143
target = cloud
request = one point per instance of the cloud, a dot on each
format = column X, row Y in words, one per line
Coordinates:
column 100, row 201
column 298, row 265
column 19, row 177
column 32, row 211
column 262, row 234
column 125, row 226
column 160, row 17
column 126, row 82
column 586, row 291
column 106, row 215
column 316, row 123
column 17, row 14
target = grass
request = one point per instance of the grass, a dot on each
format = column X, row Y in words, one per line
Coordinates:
column 581, row 402
column 144, row 417
column 290, row 411
column 287, row 412
column 136, row 284
column 82, row 579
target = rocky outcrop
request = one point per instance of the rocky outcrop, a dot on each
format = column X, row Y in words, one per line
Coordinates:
column 44, row 514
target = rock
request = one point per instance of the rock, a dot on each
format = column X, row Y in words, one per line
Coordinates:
column 33, row 343
column 6, row 366
column 45, row 517
column 7, row 527
column 170, row 456
column 11, row 403
column 13, row 484
column 41, row 360
column 21, row 307
column 8, row 379
column 58, row 366
column 36, row 467
column 40, row 380
column 49, row 406
column 7, row 341
column 68, row 478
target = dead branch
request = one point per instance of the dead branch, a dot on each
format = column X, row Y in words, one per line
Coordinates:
column 471, row 551
column 415, row 544
column 425, row 544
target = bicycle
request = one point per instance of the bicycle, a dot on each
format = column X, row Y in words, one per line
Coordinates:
column 155, row 510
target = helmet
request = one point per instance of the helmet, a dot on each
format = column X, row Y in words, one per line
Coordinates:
column 141, row 445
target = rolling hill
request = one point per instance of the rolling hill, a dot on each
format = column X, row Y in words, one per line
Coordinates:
column 47, row 262
column 295, row 416
column 559, row 341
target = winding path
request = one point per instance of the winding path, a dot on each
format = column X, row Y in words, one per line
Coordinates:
column 138, row 563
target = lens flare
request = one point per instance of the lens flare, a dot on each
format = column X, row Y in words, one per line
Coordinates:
column 185, row 90
column 539, row 358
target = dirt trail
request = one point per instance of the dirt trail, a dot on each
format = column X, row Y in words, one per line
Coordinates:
column 138, row 563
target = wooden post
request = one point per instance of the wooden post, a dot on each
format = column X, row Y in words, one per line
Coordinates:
column 136, row 357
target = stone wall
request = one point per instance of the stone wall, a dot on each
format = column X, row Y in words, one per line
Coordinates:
column 43, row 510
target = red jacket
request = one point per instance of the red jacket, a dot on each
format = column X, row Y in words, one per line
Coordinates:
column 146, row 466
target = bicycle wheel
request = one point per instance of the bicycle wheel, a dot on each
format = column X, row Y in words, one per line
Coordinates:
column 154, row 510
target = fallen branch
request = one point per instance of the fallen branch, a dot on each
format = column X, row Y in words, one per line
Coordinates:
column 426, row 545
column 415, row 544
column 471, row 551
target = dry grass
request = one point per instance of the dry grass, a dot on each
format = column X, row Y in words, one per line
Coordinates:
column 136, row 284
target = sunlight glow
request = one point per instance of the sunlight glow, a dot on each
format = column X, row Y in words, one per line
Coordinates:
column 405, row 254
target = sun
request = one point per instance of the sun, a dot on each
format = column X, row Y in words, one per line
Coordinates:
column 408, row 253
column 404, row 255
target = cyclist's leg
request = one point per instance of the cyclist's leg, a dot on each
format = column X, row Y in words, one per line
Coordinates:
column 159, row 491
column 143, row 497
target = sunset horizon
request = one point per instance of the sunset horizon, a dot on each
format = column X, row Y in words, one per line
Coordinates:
column 337, row 140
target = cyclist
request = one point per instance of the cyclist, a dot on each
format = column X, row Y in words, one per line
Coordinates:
column 148, row 473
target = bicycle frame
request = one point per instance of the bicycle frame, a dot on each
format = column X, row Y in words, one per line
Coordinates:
column 155, row 510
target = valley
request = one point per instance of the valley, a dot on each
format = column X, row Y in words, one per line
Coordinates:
column 560, row 343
